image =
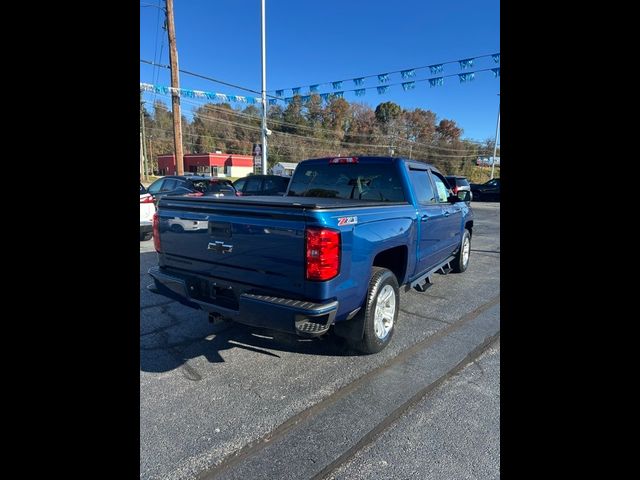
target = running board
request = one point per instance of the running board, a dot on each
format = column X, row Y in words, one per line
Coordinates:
column 446, row 269
column 422, row 287
column 424, row 281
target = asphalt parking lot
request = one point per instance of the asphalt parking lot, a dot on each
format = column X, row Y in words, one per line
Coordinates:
column 223, row 401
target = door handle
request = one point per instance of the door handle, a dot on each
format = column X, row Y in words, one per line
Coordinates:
column 424, row 218
column 446, row 213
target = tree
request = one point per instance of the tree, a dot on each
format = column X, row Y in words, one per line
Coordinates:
column 315, row 115
column 448, row 131
column 387, row 112
column 336, row 116
column 293, row 116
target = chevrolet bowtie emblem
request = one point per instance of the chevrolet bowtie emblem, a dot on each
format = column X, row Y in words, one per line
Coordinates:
column 220, row 247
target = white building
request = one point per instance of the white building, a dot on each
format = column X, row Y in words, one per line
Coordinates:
column 284, row 169
column 487, row 161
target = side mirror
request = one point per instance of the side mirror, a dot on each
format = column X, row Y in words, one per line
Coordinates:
column 464, row 196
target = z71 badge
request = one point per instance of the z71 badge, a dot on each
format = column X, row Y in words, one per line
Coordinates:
column 347, row 221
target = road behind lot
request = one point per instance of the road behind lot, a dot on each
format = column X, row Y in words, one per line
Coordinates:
column 227, row 402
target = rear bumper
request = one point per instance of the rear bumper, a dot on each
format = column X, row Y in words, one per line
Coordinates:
column 301, row 317
column 146, row 227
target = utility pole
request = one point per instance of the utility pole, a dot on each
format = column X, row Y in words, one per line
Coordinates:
column 264, row 94
column 495, row 142
column 150, row 165
column 144, row 143
column 141, row 156
column 175, row 84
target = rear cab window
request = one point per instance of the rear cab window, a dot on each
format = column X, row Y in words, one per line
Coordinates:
column 375, row 182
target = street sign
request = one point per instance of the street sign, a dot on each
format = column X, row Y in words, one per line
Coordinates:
column 257, row 158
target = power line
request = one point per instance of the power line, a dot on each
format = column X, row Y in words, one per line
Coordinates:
column 322, row 150
column 143, row 5
column 429, row 148
column 208, row 78
column 273, row 121
column 156, row 71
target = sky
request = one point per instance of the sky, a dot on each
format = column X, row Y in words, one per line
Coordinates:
column 316, row 42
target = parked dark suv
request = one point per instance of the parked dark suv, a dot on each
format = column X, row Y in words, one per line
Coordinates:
column 488, row 191
column 190, row 184
column 459, row 184
column 262, row 185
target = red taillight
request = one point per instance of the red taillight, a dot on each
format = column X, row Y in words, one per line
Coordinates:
column 156, row 232
column 194, row 194
column 344, row 160
column 146, row 199
column 323, row 253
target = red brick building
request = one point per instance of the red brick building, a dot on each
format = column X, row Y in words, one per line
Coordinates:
column 215, row 164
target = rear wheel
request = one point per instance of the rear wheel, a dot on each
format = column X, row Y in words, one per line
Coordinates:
column 460, row 263
column 380, row 312
column 145, row 236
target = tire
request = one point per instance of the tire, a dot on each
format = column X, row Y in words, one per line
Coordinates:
column 460, row 263
column 383, row 287
column 145, row 236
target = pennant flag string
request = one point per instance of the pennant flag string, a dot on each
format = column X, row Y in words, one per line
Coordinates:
column 187, row 93
column 434, row 69
column 359, row 92
column 408, row 73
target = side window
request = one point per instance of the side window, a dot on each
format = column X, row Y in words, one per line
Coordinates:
column 155, row 186
column 270, row 185
column 168, row 185
column 253, row 185
column 239, row 184
column 441, row 188
column 422, row 186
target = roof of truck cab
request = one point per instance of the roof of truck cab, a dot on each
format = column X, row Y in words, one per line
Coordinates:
column 413, row 163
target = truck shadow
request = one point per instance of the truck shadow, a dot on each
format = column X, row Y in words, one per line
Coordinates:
column 170, row 336
column 164, row 354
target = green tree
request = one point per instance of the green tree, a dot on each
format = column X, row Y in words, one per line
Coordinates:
column 294, row 117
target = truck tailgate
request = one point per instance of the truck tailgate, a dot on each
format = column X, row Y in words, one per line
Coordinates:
column 249, row 242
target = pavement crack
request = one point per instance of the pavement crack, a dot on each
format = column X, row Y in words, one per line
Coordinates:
column 146, row 307
column 424, row 317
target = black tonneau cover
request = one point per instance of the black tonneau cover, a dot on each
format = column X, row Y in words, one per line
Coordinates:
column 315, row 203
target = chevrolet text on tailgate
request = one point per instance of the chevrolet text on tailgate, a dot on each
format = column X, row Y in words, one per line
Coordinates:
column 332, row 253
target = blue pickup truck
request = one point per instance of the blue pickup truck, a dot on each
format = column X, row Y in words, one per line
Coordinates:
column 331, row 253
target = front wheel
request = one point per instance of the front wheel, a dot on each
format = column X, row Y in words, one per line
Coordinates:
column 380, row 312
column 461, row 261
